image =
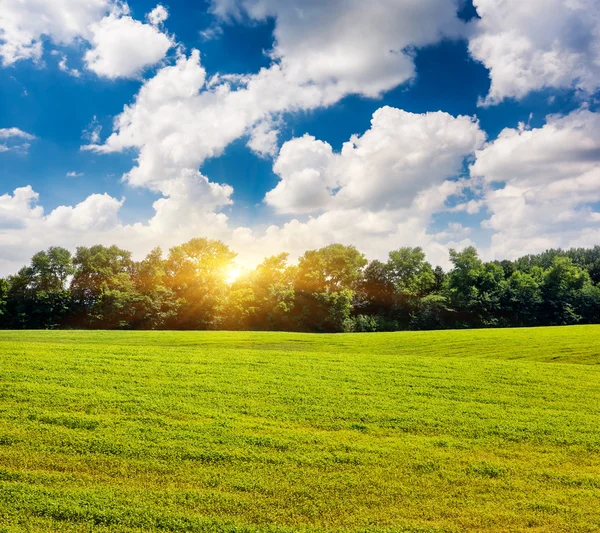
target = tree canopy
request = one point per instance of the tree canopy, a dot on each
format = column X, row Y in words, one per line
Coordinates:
column 331, row 289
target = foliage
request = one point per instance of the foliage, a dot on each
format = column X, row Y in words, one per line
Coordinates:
column 332, row 289
column 37, row 296
column 195, row 274
column 410, row 273
column 272, row 286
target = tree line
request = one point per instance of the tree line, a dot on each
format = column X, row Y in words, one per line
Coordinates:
column 332, row 289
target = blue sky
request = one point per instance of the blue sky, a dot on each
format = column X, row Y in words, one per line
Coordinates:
column 244, row 140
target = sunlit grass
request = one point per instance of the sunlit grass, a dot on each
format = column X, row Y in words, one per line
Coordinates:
column 481, row 430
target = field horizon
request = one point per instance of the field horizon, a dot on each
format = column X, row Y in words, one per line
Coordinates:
column 492, row 430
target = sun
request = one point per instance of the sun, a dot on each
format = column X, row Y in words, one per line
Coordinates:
column 233, row 273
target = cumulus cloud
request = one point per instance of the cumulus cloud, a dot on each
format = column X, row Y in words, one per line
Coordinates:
column 333, row 46
column 158, row 15
column 537, row 44
column 385, row 186
column 23, row 24
column 96, row 212
column 263, row 139
column 306, row 182
column 380, row 192
column 177, row 120
column 24, row 227
column 192, row 205
column 401, row 154
column 541, row 185
column 122, row 47
column 19, row 207
column 375, row 232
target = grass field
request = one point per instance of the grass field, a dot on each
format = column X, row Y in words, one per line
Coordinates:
column 486, row 430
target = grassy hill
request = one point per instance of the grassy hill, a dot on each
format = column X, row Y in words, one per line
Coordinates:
column 486, row 430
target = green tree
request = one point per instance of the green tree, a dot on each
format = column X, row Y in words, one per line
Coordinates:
column 323, row 312
column 157, row 305
column 410, row 273
column 440, row 279
column 272, row 284
column 4, row 318
column 413, row 278
column 330, row 269
column 430, row 312
column 562, row 285
column 37, row 295
column 103, row 289
column 196, row 273
column 240, row 308
column 524, row 297
column 325, row 287
column 588, row 303
column 50, row 270
column 376, row 297
column 475, row 290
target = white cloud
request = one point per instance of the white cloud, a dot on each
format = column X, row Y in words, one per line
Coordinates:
column 537, row 44
column 185, row 213
column 263, row 139
column 74, row 174
column 549, row 181
column 96, row 212
column 177, row 121
column 23, row 23
column 379, row 193
column 8, row 133
column 122, row 47
column 192, row 205
column 454, row 231
column 306, row 182
column 64, row 67
column 92, row 132
column 402, row 153
column 158, row 15
column 373, row 232
column 383, row 189
column 333, row 44
column 212, row 32
column 15, row 140
column 18, row 208
column 24, row 228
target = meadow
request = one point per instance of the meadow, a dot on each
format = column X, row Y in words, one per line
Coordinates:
column 447, row 431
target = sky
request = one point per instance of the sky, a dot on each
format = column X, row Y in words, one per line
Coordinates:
column 286, row 125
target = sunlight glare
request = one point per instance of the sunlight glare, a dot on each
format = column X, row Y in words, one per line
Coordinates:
column 233, row 273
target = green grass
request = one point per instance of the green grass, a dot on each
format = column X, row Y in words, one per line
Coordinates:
column 487, row 430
